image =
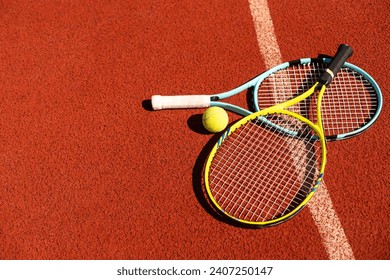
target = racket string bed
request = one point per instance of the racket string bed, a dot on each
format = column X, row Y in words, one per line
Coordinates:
column 232, row 152
column 260, row 163
column 353, row 108
column 350, row 102
column 239, row 173
column 250, row 196
column 301, row 192
column 274, row 185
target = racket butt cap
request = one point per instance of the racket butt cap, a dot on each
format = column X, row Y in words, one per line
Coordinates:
column 156, row 102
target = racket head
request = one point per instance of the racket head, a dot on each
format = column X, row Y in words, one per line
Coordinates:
column 352, row 104
column 243, row 189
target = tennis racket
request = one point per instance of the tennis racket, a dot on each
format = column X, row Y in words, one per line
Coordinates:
column 352, row 105
column 263, row 174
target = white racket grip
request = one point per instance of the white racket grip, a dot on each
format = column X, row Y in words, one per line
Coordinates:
column 180, row 101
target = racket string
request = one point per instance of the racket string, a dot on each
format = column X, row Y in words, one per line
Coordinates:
column 266, row 196
column 239, row 174
column 354, row 108
column 297, row 194
column 350, row 101
column 225, row 177
column 256, row 198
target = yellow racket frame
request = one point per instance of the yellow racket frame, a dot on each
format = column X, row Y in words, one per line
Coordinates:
column 279, row 109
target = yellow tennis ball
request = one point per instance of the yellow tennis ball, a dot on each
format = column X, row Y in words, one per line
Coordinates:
column 215, row 119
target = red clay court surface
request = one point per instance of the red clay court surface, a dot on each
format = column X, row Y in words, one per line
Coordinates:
column 87, row 171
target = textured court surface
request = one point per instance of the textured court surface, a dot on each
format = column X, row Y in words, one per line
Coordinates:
column 87, row 171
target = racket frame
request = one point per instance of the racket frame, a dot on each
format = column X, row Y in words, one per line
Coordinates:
column 255, row 83
column 343, row 53
column 276, row 109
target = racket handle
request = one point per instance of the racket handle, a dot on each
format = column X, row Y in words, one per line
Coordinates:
column 343, row 53
column 180, row 101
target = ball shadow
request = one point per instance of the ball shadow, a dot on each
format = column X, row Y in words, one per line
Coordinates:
column 195, row 124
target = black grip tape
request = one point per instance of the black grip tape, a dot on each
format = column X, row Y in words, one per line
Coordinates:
column 343, row 53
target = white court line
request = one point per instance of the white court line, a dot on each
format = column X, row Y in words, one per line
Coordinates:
column 321, row 206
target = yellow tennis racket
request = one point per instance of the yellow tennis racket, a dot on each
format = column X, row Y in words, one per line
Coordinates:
column 267, row 166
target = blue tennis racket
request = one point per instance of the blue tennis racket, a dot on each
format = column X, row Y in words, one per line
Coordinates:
column 352, row 104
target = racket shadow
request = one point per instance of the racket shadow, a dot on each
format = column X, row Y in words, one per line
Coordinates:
column 202, row 196
column 198, row 181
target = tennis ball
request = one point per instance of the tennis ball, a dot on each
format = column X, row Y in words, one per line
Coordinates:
column 215, row 119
